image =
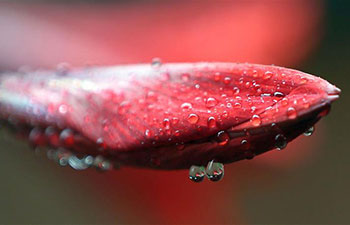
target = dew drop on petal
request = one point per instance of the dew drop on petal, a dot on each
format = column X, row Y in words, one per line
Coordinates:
column 156, row 62
column 63, row 109
column 211, row 122
column 309, row 131
column 278, row 94
column 291, row 113
column 148, row 133
column 197, row 173
column 280, row 141
column 166, row 123
column 303, row 80
column 214, row 171
column 185, row 77
column 186, row 106
column 222, row 137
column 267, row 75
column 256, row 120
column 193, row 118
column 227, row 80
column 211, row 102
column 284, row 101
column 67, row 137
column 101, row 144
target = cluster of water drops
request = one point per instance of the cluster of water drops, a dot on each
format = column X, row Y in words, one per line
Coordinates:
column 214, row 172
column 64, row 157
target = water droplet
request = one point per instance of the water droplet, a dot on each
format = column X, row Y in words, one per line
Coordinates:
column 256, row 120
column 309, row 131
column 36, row 137
column 185, row 77
column 280, row 141
column 186, row 106
column 101, row 144
column 291, row 113
column 237, row 105
column 166, row 123
column 284, row 101
column 217, row 76
column 193, row 118
column 211, row 102
column 211, row 122
column 278, row 94
column 63, row 68
column 67, row 137
column 227, row 80
column 52, row 136
column 267, row 75
column 245, row 145
column 215, row 171
column 197, row 173
column 101, row 163
column 148, row 133
column 156, row 62
column 63, row 109
column 223, row 138
column 303, row 80
column 77, row 164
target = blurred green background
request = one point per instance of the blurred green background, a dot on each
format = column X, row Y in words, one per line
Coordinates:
column 310, row 188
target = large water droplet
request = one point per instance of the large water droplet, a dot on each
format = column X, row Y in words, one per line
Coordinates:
column 193, row 118
column 67, row 137
column 267, row 75
column 36, row 137
column 197, row 173
column 186, row 106
column 309, row 131
column 211, row 122
column 211, row 102
column 278, row 94
column 215, row 171
column 78, row 164
column 280, row 141
column 223, row 138
column 291, row 113
column 256, row 120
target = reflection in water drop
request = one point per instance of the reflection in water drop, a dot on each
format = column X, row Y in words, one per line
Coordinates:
column 309, row 131
column 215, row 171
column 280, row 141
column 197, row 173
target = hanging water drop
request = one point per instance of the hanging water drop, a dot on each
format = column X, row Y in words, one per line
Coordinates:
column 197, row 173
column 291, row 113
column 280, row 141
column 309, row 131
column 215, row 171
column 222, row 138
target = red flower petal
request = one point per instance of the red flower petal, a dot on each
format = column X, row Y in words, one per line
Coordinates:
column 168, row 116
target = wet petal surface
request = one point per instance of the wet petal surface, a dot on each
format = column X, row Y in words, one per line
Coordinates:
column 168, row 116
